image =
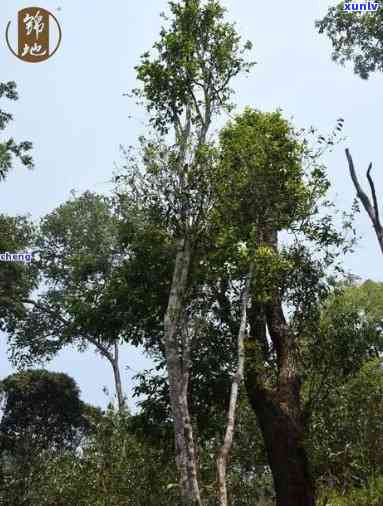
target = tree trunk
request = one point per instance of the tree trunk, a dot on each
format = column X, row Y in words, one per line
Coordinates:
column 113, row 358
column 178, row 376
column 283, row 437
column 278, row 408
column 117, row 378
column 235, row 385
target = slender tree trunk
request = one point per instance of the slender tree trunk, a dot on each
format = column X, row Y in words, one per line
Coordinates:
column 178, row 376
column 117, row 378
column 113, row 358
column 237, row 380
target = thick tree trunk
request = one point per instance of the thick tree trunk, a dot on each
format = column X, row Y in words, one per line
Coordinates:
column 178, row 376
column 278, row 408
column 283, row 437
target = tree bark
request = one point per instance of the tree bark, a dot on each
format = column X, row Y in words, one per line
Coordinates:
column 117, row 378
column 283, row 437
column 278, row 407
column 113, row 359
column 237, row 380
column 178, row 376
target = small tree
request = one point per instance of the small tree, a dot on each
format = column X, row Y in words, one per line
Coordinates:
column 79, row 256
column 42, row 415
column 41, row 410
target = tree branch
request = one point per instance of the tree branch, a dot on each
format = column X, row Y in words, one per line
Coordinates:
column 373, row 193
column 372, row 210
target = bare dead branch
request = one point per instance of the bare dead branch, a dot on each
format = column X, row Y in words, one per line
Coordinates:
column 371, row 209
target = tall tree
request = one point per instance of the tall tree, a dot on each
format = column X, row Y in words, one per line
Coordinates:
column 185, row 85
column 266, row 189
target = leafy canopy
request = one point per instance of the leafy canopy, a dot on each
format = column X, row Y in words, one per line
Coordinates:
column 198, row 53
column 41, row 410
column 9, row 148
column 355, row 37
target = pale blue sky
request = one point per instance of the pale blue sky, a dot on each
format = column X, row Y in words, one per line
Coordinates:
column 71, row 107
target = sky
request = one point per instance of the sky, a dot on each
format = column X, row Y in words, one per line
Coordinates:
column 72, row 107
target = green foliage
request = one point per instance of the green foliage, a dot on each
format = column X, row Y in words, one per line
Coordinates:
column 347, row 428
column 345, row 341
column 355, row 37
column 113, row 468
column 9, row 148
column 42, row 410
column 85, row 295
column 262, row 170
column 349, row 333
column 270, row 176
column 197, row 54
column 367, row 298
column 270, row 179
column 144, row 279
column 42, row 418
column 371, row 495
column 343, row 385
column 85, row 229
column 16, row 233
column 16, row 279
column 118, row 467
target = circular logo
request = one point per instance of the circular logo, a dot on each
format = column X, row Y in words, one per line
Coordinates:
column 39, row 35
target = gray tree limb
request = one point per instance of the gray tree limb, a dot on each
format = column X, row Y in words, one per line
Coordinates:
column 372, row 209
column 235, row 385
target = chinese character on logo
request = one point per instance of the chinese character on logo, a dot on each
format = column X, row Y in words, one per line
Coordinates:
column 34, row 24
column 35, row 50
